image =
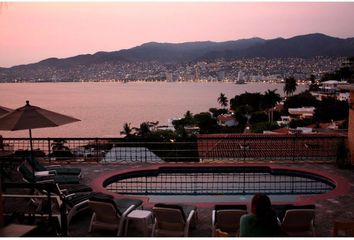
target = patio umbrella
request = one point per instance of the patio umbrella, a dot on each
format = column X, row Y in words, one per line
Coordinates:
column 4, row 110
column 31, row 117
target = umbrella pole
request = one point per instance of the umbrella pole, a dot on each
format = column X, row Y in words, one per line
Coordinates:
column 31, row 154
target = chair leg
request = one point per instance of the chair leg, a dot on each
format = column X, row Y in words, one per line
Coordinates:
column 153, row 228
column 92, row 220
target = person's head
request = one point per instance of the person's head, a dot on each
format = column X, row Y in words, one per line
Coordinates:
column 260, row 204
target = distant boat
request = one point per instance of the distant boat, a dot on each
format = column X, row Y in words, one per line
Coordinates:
column 240, row 82
column 240, row 78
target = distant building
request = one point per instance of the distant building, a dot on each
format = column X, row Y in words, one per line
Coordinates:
column 331, row 86
column 240, row 78
column 227, row 120
column 285, row 120
column 221, row 76
column 303, row 112
column 169, row 77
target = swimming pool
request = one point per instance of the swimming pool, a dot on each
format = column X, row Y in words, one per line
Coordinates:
column 217, row 183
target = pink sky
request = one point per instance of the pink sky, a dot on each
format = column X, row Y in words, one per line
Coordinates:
column 30, row 32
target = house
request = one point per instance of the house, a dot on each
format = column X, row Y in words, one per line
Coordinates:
column 227, row 120
column 331, row 86
column 303, row 112
column 285, row 120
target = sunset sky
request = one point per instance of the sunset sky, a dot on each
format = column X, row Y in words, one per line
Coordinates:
column 30, row 32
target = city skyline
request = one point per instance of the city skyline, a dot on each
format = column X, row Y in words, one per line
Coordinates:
column 35, row 31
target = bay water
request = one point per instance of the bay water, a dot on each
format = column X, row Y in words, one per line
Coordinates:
column 103, row 107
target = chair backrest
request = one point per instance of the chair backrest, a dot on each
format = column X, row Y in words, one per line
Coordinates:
column 35, row 164
column 298, row 220
column 343, row 228
column 230, row 206
column 26, row 173
column 170, row 219
column 228, row 220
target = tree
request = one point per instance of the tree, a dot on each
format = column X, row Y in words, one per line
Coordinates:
column 270, row 99
column 206, row 122
column 222, row 100
column 188, row 116
column 59, row 145
column 253, row 100
column 304, row 99
column 218, row 111
column 312, row 79
column 331, row 109
column 290, row 85
column 127, row 130
column 144, row 129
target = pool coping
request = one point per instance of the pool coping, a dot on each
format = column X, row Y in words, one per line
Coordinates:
column 342, row 185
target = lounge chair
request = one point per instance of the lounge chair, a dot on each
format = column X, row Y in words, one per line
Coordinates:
column 299, row 222
column 31, row 177
column 57, row 169
column 226, row 219
column 173, row 220
column 110, row 213
column 343, row 228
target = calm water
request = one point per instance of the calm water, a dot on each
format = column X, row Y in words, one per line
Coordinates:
column 104, row 107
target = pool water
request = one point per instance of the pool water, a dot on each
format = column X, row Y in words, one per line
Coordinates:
column 218, row 184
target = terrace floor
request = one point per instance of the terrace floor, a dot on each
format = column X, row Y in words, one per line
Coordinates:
column 327, row 210
column 339, row 207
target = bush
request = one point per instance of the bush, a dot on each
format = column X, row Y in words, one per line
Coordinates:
column 300, row 123
column 264, row 126
column 258, row 117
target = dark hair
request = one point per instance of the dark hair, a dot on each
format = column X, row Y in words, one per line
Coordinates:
column 265, row 215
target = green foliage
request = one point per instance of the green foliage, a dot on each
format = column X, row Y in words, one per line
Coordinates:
column 314, row 87
column 247, row 103
column 206, row 122
column 270, row 99
column 300, row 123
column 304, row 99
column 290, row 85
column 240, row 118
column 127, row 130
column 331, row 109
column 235, row 129
column 257, row 117
column 222, row 100
column 59, row 150
column 59, row 145
column 346, row 72
column 188, row 117
column 252, row 100
column 264, row 126
column 218, row 111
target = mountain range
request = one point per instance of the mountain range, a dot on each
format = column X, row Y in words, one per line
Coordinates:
column 304, row 46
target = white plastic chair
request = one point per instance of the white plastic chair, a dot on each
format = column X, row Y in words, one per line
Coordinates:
column 299, row 222
column 172, row 221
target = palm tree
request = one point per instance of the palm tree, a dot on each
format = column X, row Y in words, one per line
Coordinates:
column 59, row 145
column 290, row 86
column 270, row 99
column 127, row 130
column 144, row 129
column 222, row 100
